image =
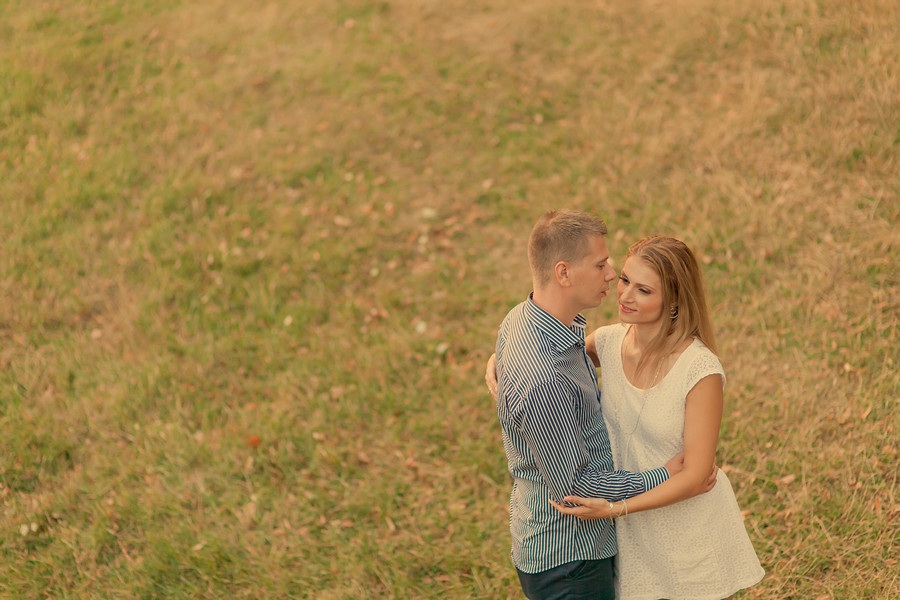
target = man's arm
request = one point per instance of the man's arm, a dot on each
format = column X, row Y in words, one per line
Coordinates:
column 702, row 419
column 551, row 431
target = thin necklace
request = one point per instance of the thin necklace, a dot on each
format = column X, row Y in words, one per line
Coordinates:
column 658, row 362
column 644, row 392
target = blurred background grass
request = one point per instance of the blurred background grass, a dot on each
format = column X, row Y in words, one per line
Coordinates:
column 255, row 256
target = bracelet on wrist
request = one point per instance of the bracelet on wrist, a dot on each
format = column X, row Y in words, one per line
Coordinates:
column 616, row 512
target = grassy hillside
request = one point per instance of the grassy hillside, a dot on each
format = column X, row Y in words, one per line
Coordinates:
column 255, row 255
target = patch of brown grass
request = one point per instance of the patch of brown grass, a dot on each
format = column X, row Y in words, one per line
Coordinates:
column 303, row 223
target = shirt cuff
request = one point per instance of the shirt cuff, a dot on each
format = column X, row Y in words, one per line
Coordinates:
column 654, row 477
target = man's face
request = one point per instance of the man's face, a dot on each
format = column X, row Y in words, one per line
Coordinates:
column 591, row 275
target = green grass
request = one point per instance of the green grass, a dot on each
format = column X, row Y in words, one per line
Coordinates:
column 304, row 221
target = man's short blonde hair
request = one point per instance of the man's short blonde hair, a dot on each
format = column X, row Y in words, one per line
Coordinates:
column 560, row 235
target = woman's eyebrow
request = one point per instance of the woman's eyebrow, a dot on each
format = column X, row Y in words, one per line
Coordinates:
column 637, row 283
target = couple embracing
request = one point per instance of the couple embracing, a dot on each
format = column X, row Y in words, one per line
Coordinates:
column 623, row 470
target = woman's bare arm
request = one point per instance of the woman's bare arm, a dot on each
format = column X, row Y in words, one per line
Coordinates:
column 702, row 419
column 490, row 375
column 590, row 346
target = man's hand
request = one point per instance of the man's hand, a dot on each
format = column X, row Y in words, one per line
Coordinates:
column 675, row 464
column 586, row 508
column 490, row 375
column 711, row 480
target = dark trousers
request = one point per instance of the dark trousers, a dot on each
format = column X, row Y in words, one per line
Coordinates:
column 577, row 580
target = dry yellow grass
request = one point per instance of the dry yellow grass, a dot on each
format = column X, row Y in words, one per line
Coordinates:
column 304, row 221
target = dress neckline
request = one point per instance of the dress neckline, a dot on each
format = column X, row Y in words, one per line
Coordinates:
column 664, row 376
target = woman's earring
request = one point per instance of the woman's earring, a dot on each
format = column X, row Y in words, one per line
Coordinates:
column 673, row 313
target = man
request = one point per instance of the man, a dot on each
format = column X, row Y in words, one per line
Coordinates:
column 548, row 405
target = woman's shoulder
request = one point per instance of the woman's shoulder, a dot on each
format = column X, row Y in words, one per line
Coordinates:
column 701, row 362
column 701, row 351
column 608, row 332
column 612, row 329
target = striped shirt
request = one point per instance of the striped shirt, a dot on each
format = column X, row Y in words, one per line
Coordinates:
column 556, row 441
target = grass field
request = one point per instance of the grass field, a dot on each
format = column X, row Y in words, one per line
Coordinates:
column 255, row 254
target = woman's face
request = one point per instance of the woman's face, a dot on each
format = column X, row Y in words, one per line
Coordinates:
column 640, row 294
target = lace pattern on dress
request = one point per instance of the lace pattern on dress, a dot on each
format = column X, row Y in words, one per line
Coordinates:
column 703, row 364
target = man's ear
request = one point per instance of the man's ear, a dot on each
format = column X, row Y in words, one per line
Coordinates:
column 561, row 273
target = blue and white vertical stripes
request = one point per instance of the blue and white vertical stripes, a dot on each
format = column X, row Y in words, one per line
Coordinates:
column 555, row 440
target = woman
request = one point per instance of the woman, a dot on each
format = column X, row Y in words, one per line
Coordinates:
column 661, row 394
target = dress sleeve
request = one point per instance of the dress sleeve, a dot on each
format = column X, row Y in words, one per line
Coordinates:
column 705, row 363
column 601, row 337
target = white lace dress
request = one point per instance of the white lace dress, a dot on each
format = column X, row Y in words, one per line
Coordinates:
column 698, row 548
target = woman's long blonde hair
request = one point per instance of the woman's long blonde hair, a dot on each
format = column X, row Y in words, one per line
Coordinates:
column 683, row 295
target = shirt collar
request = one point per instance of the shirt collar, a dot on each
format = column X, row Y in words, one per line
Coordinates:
column 560, row 335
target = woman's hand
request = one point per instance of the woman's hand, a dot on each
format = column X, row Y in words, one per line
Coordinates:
column 490, row 375
column 591, row 508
